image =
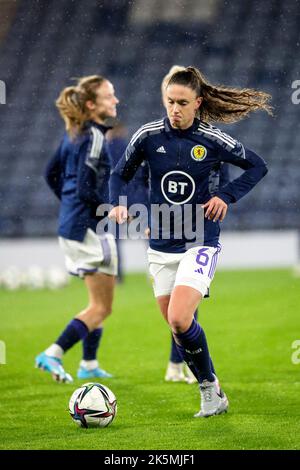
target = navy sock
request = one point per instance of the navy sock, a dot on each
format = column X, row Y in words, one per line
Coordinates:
column 211, row 362
column 188, row 362
column 193, row 346
column 175, row 355
column 180, row 352
column 74, row 332
column 91, row 344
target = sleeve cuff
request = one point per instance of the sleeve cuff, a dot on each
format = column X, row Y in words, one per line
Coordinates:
column 227, row 198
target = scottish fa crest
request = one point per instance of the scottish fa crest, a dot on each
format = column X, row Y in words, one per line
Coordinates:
column 198, row 153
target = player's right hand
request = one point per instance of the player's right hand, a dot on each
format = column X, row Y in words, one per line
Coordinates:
column 119, row 213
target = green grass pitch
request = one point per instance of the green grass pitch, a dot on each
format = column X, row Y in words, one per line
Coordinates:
column 251, row 321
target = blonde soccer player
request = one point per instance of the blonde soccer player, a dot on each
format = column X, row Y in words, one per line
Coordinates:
column 78, row 174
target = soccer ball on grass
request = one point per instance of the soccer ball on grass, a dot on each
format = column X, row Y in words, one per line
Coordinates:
column 93, row 405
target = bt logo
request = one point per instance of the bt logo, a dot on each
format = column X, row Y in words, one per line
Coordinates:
column 173, row 187
column 178, row 187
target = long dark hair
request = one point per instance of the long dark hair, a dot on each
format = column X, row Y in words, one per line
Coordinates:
column 221, row 103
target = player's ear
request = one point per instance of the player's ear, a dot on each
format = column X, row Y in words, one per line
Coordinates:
column 198, row 102
column 90, row 105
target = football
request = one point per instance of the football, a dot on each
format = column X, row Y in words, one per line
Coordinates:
column 93, row 405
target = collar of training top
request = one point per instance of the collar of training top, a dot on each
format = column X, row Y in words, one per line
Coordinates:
column 101, row 127
column 170, row 129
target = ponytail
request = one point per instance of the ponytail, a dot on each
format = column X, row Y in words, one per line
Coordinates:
column 71, row 103
column 221, row 103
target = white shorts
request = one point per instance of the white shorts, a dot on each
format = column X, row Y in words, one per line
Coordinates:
column 194, row 268
column 96, row 253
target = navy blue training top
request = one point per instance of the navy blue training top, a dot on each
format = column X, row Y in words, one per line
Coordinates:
column 137, row 190
column 78, row 174
column 185, row 171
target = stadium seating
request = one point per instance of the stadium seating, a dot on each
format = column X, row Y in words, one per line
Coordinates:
column 249, row 43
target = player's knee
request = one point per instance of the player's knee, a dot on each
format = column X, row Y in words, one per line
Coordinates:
column 175, row 322
column 179, row 321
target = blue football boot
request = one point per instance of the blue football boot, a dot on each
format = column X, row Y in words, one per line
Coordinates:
column 54, row 366
column 84, row 373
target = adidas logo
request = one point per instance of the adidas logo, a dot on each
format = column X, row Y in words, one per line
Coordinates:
column 200, row 271
column 161, row 149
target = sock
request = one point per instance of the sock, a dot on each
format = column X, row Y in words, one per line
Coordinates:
column 175, row 355
column 211, row 362
column 89, row 365
column 91, row 344
column 75, row 331
column 193, row 346
column 54, row 351
column 188, row 361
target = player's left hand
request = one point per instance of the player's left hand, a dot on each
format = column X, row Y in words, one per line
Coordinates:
column 216, row 209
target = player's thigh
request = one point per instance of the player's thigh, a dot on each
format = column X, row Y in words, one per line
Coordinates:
column 163, row 268
column 100, row 288
column 163, row 278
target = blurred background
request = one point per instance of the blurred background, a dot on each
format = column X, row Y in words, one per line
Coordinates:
column 44, row 43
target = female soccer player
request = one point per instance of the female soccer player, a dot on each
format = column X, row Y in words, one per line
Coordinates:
column 184, row 154
column 78, row 174
column 177, row 370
